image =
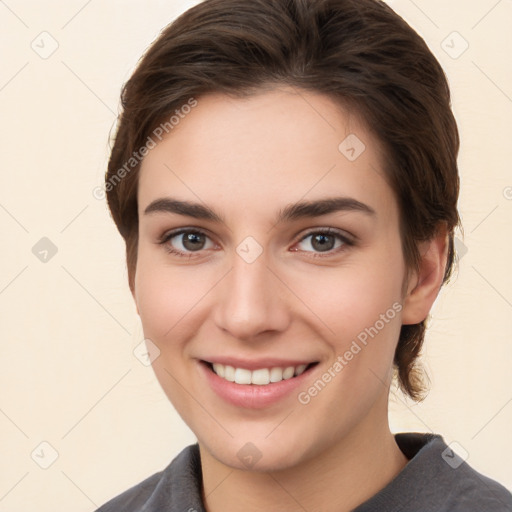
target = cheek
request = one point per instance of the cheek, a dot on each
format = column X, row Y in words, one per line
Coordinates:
column 352, row 298
column 360, row 307
column 165, row 295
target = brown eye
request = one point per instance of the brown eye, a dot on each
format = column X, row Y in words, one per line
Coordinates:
column 193, row 241
column 186, row 241
column 324, row 241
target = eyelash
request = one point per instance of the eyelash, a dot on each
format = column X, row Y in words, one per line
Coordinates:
column 347, row 242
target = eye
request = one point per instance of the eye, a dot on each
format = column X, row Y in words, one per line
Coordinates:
column 325, row 241
column 185, row 242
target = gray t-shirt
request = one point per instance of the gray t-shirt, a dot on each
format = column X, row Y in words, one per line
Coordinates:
column 434, row 480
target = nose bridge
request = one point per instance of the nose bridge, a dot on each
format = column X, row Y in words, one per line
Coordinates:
column 250, row 302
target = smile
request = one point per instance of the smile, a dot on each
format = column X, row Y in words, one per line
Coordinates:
column 254, row 384
column 259, row 377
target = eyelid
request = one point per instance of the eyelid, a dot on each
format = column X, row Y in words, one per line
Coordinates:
column 342, row 234
column 168, row 235
column 347, row 239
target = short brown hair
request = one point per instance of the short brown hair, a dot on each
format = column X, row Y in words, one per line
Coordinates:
column 358, row 52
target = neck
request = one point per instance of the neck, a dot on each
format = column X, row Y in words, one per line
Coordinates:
column 339, row 479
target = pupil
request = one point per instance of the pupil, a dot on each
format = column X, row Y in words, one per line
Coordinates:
column 194, row 239
column 321, row 240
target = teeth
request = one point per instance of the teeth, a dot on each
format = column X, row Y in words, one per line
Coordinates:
column 300, row 369
column 260, row 377
column 276, row 374
column 242, row 376
column 219, row 369
column 288, row 372
column 229, row 373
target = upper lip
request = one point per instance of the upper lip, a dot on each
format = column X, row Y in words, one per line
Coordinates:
column 256, row 364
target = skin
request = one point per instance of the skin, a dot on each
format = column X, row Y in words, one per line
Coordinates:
column 247, row 159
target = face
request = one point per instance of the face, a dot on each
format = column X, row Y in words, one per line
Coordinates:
column 269, row 253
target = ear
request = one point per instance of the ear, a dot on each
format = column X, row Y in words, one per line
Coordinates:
column 424, row 285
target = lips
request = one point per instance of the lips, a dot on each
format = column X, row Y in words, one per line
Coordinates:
column 255, row 384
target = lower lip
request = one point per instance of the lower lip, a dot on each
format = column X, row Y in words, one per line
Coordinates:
column 252, row 396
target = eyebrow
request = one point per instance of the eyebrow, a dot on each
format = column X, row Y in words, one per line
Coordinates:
column 296, row 211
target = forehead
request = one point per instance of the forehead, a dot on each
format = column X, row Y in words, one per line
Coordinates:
column 268, row 149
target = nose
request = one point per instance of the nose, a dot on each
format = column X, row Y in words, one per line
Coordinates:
column 251, row 301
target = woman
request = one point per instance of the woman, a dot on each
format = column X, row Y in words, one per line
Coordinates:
column 284, row 176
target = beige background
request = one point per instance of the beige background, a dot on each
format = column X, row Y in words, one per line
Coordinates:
column 68, row 376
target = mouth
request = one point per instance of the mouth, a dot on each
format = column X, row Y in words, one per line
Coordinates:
column 258, row 376
column 255, row 384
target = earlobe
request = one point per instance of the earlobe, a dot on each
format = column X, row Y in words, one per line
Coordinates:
column 425, row 284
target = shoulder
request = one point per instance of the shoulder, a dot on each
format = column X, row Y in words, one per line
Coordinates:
column 437, row 479
column 445, row 478
column 469, row 490
column 135, row 497
column 177, row 487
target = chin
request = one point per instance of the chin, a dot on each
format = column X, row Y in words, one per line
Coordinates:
column 263, row 453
